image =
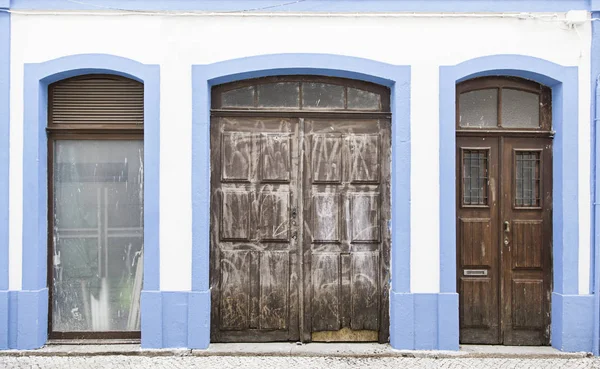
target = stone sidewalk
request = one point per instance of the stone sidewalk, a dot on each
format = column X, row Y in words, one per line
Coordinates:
column 286, row 355
column 296, row 362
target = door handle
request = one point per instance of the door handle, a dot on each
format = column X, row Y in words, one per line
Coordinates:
column 506, row 226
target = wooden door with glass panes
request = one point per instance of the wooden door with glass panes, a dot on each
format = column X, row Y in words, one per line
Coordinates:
column 504, row 211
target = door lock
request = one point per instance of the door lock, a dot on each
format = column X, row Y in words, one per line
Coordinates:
column 294, row 212
column 506, row 226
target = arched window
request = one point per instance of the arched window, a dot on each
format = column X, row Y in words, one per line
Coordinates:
column 301, row 93
column 95, row 155
column 502, row 103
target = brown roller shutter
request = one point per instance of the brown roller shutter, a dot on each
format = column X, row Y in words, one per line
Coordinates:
column 96, row 99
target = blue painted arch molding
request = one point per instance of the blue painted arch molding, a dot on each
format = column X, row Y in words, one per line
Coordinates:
column 572, row 314
column 29, row 307
column 397, row 78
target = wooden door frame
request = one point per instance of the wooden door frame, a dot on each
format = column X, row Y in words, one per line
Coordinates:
column 499, row 133
column 384, row 114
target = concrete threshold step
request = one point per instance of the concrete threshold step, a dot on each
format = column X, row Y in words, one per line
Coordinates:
column 293, row 349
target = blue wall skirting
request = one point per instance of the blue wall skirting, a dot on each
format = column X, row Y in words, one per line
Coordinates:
column 28, row 319
column 35, row 206
column 175, row 319
column 425, row 321
column 349, row 6
column 572, row 322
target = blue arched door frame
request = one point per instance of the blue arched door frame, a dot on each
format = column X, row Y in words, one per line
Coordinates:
column 572, row 316
column 397, row 78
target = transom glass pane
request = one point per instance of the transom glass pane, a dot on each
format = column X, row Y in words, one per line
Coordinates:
column 363, row 100
column 322, row 95
column 478, row 108
column 279, row 95
column 98, row 235
column 475, row 177
column 238, row 98
column 527, row 179
column 520, row 109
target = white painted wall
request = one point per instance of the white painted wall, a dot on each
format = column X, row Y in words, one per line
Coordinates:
column 178, row 42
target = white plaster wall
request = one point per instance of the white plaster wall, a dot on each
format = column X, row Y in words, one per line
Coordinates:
column 178, row 42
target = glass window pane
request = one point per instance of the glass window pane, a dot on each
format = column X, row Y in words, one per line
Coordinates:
column 475, row 176
column 322, row 95
column 527, row 178
column 238, row 98
column 520, row 109
column 363, row 100
column 478, row 109
column 279, row 95
column 98, row 235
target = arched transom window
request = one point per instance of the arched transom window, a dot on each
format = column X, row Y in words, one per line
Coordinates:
column 301, row 93
column 505, row 103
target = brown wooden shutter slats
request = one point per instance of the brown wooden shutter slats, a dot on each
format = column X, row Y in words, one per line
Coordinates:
column 96, row 99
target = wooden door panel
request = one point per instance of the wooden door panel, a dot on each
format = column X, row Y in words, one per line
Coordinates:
column 477, row 242
column 275, row 154
column 325, row 277
column 526, row 256
column 527, row 304
column 254, row 263
column 235, row 215
column 274, row 289
column 274, row 223
column 478, row 295
column 346, row 245
column 235, row 296
column 527, row 249
column 326, row 218
column 364, row 292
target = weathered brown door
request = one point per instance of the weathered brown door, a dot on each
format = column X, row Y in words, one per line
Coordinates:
column 477, row 230
column 527, row 236
column 300, row 202
column 504, row 212
column 254, row 255
column 346, row 246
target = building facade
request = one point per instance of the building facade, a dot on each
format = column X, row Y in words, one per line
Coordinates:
column 421, row 173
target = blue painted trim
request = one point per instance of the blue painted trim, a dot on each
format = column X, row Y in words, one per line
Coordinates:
column 595, row 275
column 37, row 78
column 349, row 6
column 28, row 319
column 572, row 322
column 395, row 77
column 175, row 319
column 564, row 84
column 4, row 322
column 4, row 143
column 427, row 321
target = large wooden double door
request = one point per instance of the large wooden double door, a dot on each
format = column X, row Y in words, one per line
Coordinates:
column 299, row 240
column 299, row 250
column 504, row 231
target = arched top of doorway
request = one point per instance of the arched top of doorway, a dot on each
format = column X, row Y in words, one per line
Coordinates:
column 301, row 92
column 503, row 103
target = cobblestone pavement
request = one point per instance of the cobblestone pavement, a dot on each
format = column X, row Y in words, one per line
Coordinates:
column 224, row 362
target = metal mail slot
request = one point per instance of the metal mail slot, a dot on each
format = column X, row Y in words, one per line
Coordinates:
column 475, row 272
